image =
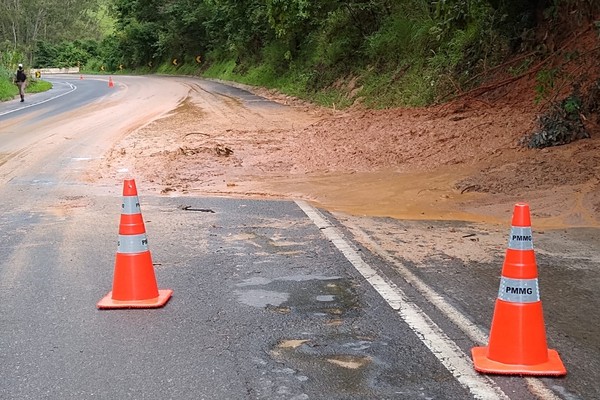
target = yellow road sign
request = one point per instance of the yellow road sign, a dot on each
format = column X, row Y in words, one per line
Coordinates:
column 198, row 59
column 175, row 63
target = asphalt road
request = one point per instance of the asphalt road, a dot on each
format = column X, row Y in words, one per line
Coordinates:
column 272, row 299
column 71, row 92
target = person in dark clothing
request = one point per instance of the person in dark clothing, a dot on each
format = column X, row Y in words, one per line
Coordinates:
column 21, row 80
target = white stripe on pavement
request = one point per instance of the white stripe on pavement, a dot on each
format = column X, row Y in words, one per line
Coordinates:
column 444, row 349
column 475, row 333
column 73, row 88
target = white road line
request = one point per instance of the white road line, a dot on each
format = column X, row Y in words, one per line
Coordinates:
column 535, row 385
column 73, row 88
column 469, row 328
column 444, row 349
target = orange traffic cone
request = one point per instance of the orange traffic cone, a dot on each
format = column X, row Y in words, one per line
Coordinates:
column 80, row 77
column 517, row 343
column 134, row 283
column 110, row 82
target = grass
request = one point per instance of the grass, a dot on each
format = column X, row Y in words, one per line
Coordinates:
column 38, row 86
column 9, row 91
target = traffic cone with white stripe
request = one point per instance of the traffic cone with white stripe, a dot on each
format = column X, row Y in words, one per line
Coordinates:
column 134, row 283
column 110, row 82
column 517, row 344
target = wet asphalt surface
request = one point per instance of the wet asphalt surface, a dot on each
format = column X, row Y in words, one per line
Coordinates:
column 263, row 307
column 568, row 263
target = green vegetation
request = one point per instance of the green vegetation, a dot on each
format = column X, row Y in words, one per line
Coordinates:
column 383, row 53
column 563, row 123
column 38, row 86
column 8, row 90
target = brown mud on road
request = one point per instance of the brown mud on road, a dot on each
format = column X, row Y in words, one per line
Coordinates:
column 461, row 161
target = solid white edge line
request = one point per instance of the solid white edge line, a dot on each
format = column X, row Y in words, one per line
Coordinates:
column 535, row 385
column 73, row 88
column 469, row 328
column 432, row 336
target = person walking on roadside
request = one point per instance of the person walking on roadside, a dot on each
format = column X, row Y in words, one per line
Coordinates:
column 21, row 80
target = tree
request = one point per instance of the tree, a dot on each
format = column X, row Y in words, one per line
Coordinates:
column 24, row 22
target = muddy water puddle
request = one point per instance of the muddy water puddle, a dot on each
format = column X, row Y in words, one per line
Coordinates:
column 419, row 196
column 329, row 351
column 431, row 195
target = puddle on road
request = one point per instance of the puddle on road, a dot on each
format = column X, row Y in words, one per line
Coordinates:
column 334, row 351
column 340, row 359
column 262, row 298
column 257, row 281
column 425, row 196
column 271, row 245
column 349, row 362
column 320, row 296
column 433, row 195
column 341, row 362
column 291, row 344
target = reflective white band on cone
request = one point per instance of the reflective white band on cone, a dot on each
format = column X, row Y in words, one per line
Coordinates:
column 131, row 244
column 520, row 238
column 519, row 290
column 130, row 205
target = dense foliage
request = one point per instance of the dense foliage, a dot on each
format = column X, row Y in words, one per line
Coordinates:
column 399, row 52
column 24, row 23
column 390, row 51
